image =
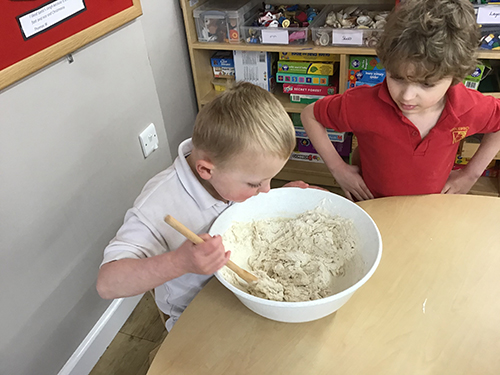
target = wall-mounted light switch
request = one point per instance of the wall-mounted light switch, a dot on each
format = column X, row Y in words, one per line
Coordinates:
column 149, row 140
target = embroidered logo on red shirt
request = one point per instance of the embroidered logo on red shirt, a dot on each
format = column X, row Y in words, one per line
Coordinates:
column 459, row 133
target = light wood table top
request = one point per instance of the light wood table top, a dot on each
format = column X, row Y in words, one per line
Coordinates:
column 432, row 306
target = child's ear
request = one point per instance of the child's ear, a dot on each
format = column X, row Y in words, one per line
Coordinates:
column 204, row 168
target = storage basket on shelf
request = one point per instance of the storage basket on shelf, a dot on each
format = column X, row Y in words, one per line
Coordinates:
column 220, row 21
column 284, row 24
column 355, row 25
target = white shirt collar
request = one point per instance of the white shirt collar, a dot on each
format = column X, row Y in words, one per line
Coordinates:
column 188, row 179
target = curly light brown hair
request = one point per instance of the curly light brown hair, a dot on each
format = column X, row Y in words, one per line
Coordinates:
column 245, row 118
column 438, row 38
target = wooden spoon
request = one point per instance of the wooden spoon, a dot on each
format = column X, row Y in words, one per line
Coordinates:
column 179, row 227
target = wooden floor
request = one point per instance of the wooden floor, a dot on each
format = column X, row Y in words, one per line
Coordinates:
column 134, row 346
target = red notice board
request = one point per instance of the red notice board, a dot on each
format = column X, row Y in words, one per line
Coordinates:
column 35, row 33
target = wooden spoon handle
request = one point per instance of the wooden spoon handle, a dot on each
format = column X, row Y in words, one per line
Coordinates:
column 193, row 237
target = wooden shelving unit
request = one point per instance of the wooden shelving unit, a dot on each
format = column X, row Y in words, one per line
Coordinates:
column 283, row 98
column 313, row 173
column 486, row 186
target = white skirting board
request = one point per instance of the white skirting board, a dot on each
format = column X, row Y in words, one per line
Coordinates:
column 94, row 345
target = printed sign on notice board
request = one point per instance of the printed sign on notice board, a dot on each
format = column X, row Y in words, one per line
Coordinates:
column 49, row 15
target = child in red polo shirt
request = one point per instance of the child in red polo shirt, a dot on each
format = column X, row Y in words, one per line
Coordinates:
column 409, row 127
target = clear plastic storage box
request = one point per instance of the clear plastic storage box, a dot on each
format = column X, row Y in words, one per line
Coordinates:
column 349, row 25
column 220, row 21
column 276, row 35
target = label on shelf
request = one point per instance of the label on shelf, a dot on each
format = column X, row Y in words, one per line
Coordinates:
column 273, row 35
column 349, row 38
column 488, row 14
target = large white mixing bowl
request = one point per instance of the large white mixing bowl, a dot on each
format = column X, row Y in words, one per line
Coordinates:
column 288, row 202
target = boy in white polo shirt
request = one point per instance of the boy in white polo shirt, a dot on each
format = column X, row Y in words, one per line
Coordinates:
column 241, row 140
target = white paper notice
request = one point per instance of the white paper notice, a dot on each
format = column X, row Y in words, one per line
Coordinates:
column 353, row 38
column 47, row 16
column 488, row 14
column 274, row 35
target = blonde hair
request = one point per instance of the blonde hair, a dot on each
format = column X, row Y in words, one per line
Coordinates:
column 244, row 118
column 438, row 38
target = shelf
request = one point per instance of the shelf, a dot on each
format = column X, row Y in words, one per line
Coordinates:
column 485, row 54
column 469, row 149
column 494, row 94
column 312, row 173
column 486, row 186
column 283, row 98
column 285, row 102
column 309, row 48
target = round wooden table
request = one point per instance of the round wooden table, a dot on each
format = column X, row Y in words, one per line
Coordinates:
column 432, row 306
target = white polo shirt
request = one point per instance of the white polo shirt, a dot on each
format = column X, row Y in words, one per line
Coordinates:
column 176, row 191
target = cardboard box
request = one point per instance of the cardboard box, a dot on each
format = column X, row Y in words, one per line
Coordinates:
column 303, row 79
column 306, row 156
column 365, row 63
column 472, row 80
column 295, row 119
column 255, row 67
column 299, row 67
column 464, row 161
column 461, row 160
column 343, row 148
column 364, row 70
column 221, row 84
column 222, row 59
column 220, row 72
column 365, row 77
column 304, row 56
column 290, row 88
column 332, row 135
column 304, row 99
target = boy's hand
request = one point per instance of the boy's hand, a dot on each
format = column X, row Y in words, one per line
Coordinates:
column 350, row 180
column 302, row 185
column 203, row 259
column 459, row 182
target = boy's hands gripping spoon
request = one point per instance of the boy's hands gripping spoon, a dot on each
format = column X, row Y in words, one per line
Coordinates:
column 179, row 227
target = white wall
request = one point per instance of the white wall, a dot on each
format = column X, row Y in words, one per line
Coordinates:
column 166, row 42
column 70, row 166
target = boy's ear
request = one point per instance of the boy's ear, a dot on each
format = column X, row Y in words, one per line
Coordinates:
column 204, row 168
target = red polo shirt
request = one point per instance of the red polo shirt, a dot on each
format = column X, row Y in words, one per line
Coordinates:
column 395, row 159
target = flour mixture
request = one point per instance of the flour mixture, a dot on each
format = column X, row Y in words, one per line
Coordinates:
column 295, row 259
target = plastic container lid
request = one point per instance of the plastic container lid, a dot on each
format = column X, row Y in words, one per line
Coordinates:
column 225, row 8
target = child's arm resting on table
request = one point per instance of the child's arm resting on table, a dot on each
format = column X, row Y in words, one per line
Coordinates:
column 130, row 277
column 347, row 176
column 462, row 180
